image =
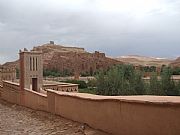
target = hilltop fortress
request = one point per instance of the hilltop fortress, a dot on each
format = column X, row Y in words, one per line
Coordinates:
column 75, row 60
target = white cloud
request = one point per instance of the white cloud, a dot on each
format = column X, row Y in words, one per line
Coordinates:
column 118, row 27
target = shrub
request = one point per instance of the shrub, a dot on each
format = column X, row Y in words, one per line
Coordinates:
column 120, row 80
column 92, row 83
column 125, row 80
column 56, row 73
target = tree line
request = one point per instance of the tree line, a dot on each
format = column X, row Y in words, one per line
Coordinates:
column 125, row 80
column 56, row 73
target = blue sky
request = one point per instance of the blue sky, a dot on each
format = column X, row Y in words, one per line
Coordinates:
column 116, row 27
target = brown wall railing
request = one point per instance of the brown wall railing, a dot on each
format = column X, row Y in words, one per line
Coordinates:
column 35, row 100
column 117, row 115
column 129, row 115
column 11, row 92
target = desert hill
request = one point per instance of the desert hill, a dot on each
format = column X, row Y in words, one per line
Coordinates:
column 175, row 63
column 73, row 59
column 143, row 60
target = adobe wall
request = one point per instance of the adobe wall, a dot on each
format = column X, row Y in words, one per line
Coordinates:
column 126, row 115
column 35, row 100
column 118, row 116
column 11, row 92
column 66, row 87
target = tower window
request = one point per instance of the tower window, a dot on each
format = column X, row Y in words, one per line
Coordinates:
column 36, row 63
column 30, row 64
column 33, row 64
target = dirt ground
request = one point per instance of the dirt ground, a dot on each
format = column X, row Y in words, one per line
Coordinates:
column 17, row 120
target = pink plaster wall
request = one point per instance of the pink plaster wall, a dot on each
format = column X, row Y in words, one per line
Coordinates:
column 119, row 116
column 133, row 115
column 35, row 100
column 11, row 92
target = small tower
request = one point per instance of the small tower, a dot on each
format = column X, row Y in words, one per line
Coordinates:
column 31, row 70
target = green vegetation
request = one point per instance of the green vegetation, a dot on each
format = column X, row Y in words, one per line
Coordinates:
column 85, row 74
column 88, row 90
column 92, row 83
column 169, row 87
column 120, row 80
column 148, row 69
column 125, row 80
column 56, row 73
column 176, row 71
column 155, row 85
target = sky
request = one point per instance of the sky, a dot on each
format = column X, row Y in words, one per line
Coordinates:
column 116, row 27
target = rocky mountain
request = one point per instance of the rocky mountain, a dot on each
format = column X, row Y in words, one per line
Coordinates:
column 74, row 59
column 143, row 60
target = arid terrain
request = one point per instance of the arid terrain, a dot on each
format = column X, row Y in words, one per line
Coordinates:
column 17, row 120
column 176, row 63
column 144, row 61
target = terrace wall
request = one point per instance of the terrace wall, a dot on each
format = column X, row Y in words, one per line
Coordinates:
column 136, row 115
column 62, row 87
column 35, row 100
column 11, row 93
column 118, row 116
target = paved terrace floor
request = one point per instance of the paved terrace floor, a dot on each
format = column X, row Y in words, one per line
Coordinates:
column 17, row 120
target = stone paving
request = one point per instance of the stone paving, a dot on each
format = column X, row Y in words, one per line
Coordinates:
column 17, row 120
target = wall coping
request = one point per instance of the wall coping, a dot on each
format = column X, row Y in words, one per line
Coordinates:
column 60, row 84
column 144, row 99
column 68, row 85
column 11, row 83
column 37, row 93
column 48, row 85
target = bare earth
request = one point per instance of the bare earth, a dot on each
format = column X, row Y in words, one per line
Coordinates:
column 17, row 120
